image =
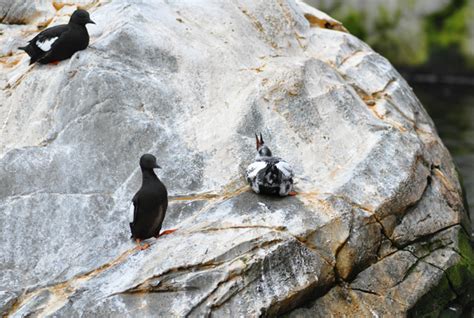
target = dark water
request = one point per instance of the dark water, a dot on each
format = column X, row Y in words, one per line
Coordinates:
column 452, row 109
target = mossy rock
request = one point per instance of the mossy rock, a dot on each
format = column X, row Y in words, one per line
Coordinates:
column 455, row 287
column 461, row 275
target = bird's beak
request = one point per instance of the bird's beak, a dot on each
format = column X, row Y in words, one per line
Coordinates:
column 90, row 21
column 157, row 166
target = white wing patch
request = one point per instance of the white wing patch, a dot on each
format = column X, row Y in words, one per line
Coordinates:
column 131, row 213
column 285, row 168
column 285, row 188
column 46, row 44
column 254, row 168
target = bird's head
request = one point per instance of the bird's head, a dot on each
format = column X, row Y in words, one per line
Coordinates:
column 81, row 17
column 148, row 162
column 262, row 149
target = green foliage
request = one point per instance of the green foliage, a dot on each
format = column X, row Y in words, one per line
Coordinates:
column 354, row 22
column 386, row 21
column 443, row 35
column 455, row 29
column 388, row 41
column 448, row 26
column 447, row 33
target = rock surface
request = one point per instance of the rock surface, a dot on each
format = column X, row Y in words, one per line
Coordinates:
column 378, row 225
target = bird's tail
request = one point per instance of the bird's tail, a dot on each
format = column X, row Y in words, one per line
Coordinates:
column 27, row 49
column 31, row 52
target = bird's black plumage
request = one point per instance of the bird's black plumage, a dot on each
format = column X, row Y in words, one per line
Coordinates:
column 60, row 42
column 150, row 202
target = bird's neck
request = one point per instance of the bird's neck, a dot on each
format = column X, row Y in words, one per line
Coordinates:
column 264, row 151
column 148, row 176
column 75, row 25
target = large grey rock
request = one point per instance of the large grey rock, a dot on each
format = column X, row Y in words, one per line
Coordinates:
column 25, row 12
column 192, row 81
column 37, row 12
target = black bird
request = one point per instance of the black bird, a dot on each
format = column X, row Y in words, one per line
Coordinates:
column 149, row 204
column 60, row 42
column 269, row 174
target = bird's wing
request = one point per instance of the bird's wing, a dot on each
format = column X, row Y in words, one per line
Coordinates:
column 46, row 39
column 285, row 169
column 159, row 219
column 131, row 213
column 134, row 209
column 254, row 168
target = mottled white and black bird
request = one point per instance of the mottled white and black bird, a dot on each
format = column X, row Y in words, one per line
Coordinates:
column 149, row 204
column 60, row 42
column 269, row 174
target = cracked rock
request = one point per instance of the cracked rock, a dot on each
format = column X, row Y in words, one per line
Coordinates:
column 377, row 227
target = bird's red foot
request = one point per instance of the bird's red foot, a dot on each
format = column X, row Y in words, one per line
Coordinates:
column 144, row 246
column 140, row 246
column 292, row 193
column 167, row 232
column 54, row 62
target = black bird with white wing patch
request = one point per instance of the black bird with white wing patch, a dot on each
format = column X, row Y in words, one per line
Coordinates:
column 149, row 204
column 60, row 42
column 269, row 174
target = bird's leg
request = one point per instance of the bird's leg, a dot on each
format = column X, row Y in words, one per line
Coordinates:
column 167, row 232
column 292, row 193
column 140, row 246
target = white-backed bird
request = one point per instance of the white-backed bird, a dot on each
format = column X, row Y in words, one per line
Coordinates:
column 269, row 174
